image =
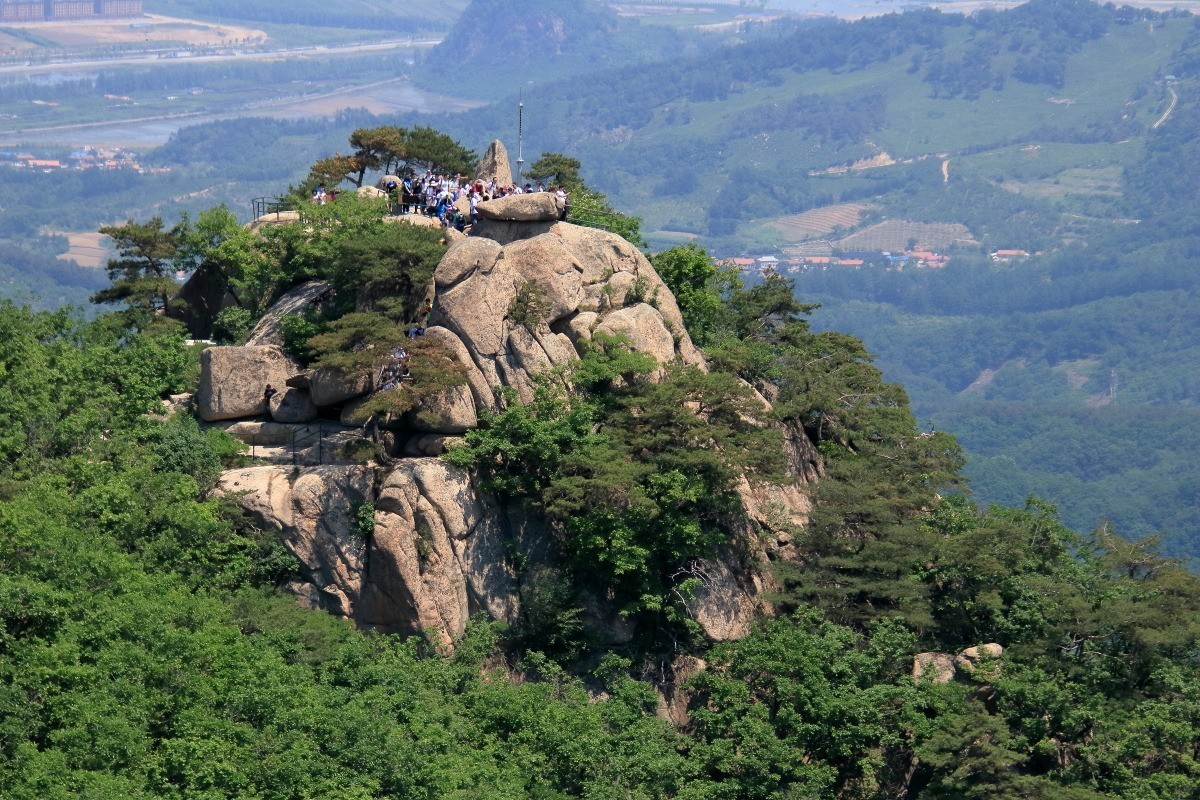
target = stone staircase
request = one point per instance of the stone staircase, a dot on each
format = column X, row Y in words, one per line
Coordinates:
column 311, row 444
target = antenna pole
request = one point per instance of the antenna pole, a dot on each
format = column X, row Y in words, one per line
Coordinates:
column 520, row 137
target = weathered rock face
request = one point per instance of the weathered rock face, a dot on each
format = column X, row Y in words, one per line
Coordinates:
column 495, row 165
column 302, row 298
column 314, row 516
column 232, row 380
column 725, row 603
column 436, row 554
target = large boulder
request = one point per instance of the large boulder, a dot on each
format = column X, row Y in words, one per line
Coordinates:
column 452, row 411
column 645, row 329
column 329, row 387
column 532, row 207
column 233, row 379
column 296, row 300
column 495, row 165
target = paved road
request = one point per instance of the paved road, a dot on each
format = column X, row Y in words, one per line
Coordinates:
column 169, row 57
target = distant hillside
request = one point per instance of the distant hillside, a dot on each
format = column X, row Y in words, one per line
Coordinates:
column 497, row 47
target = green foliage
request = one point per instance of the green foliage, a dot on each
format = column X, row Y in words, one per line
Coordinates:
column 530, row 306
column 691, row 276
column 556, row 170
column 636, row 475
column 295, row 330
column 363, row 515
column 364, row 342
column 592, row 208
column 232, row 325
column 141, row 275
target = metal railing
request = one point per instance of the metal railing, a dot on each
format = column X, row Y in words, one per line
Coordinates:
column 266, row 205
column 302, row 438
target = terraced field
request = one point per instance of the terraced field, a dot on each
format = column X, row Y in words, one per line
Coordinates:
column 821, row 221
column 896, row 235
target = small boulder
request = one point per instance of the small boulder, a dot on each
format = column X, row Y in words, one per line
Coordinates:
column 232, row 380
column 933, row 667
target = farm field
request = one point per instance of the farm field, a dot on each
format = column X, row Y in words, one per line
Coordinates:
column 87, row 249
column 821, row 221
column 147, row 30
column 898, row 235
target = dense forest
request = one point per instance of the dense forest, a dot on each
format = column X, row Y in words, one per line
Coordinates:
column 146, row 650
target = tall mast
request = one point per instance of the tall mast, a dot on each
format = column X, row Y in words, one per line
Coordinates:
column 520, row 137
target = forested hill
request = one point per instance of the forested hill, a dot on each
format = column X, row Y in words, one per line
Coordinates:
column 920, row 646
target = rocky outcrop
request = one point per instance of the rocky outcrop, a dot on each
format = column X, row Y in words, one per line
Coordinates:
column 232, row 380
column 974, row 665
column 437, row 554
column 724, row 604
column 508, row 310
column 486, row 294
column 495, row 166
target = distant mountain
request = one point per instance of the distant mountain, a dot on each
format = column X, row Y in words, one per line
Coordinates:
column 498, row 47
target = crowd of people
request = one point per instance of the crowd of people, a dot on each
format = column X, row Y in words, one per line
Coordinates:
column 438, row 196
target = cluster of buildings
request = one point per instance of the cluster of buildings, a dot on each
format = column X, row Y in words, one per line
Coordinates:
column 919, row 259
column 89, row 158
column 54, row 10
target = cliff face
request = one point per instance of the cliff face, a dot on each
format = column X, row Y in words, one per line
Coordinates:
column 416, row 547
